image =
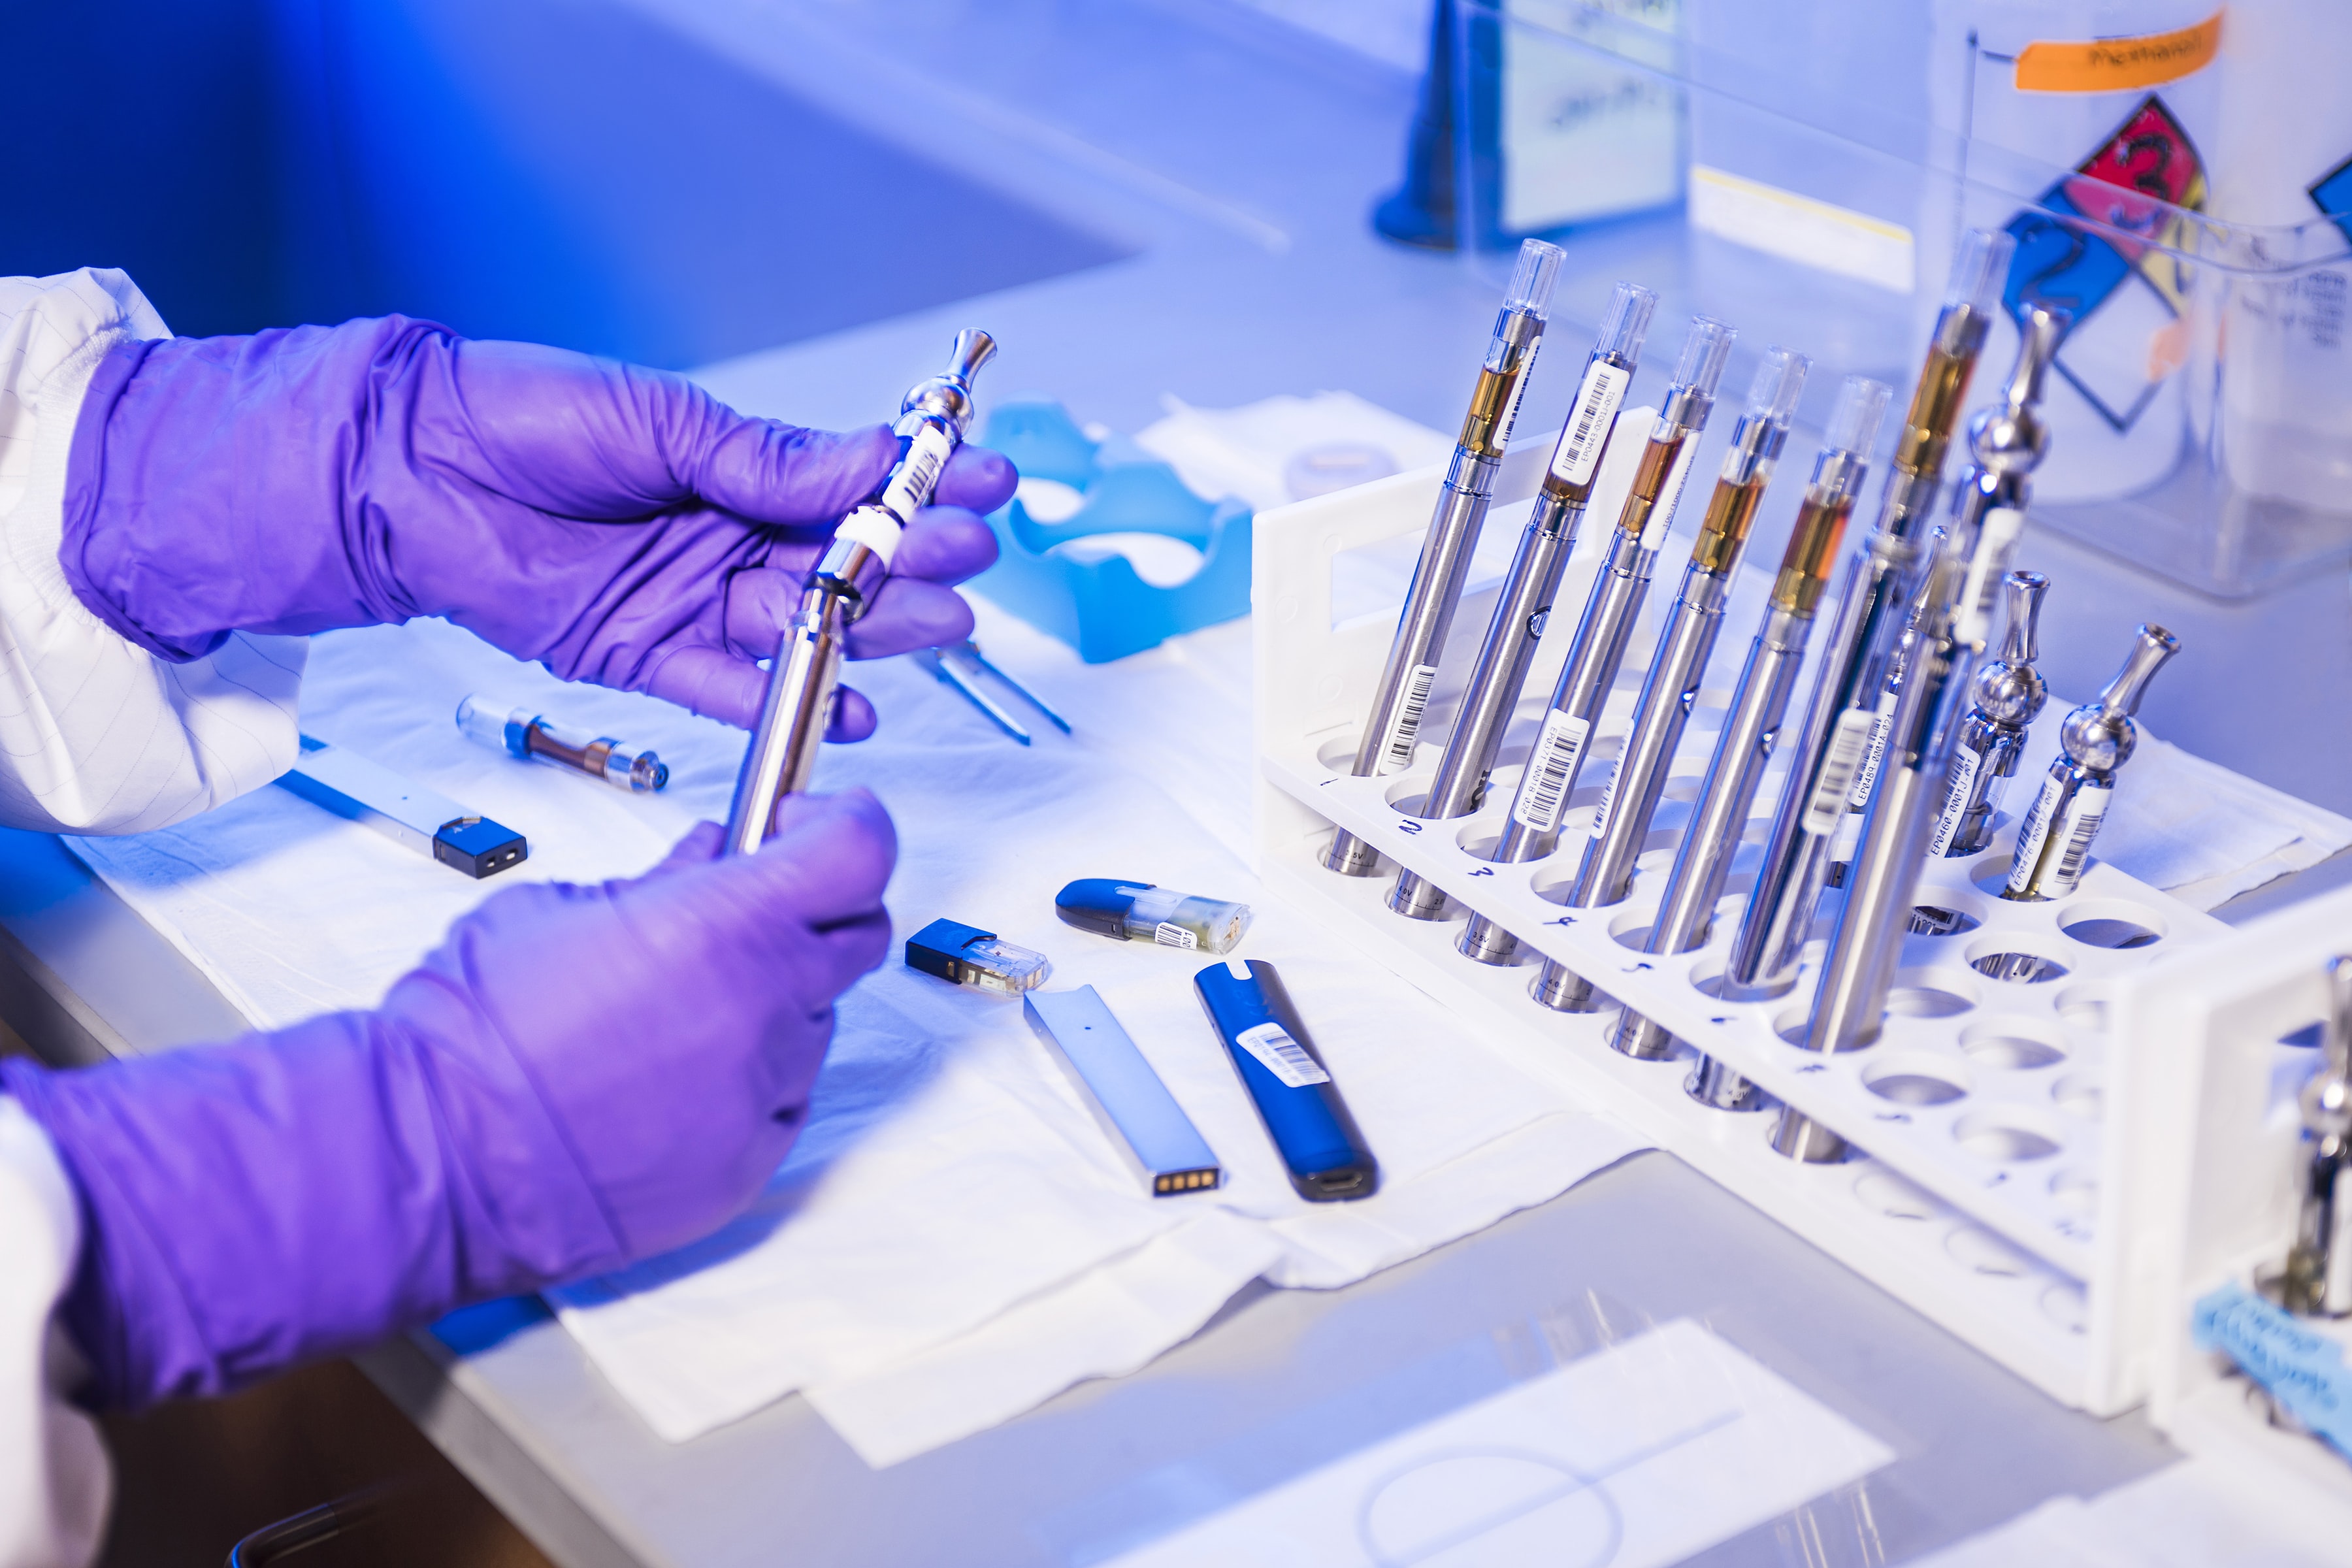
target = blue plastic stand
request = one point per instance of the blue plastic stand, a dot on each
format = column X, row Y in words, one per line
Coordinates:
column 1102, row 608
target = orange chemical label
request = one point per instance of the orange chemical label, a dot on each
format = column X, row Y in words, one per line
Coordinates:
column 2119, row 64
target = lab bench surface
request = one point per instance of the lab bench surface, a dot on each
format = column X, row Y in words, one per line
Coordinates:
column 1281, row 1380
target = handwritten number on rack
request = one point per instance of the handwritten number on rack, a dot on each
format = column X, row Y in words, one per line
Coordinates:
column 1902, row 1116
column 1483, row 871
column 1563, row 921
column 1408, row 825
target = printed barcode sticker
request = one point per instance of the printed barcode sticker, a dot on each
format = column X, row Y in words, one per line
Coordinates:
column 1586, row 431
column 1283, row 1056
column 1670, row 496
column 1167, row 933
column 1996, row 538
column 909, row 490
column 2034, row 835
column 1608, row 798
column 1405, row 727
column 2083, row 814
column 1550, row 771
column 1841, row 759
column 1966, row 762
column 1518, row 391
column 1882, row 724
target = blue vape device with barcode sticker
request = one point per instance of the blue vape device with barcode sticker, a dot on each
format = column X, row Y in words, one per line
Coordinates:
column 1288, row 1081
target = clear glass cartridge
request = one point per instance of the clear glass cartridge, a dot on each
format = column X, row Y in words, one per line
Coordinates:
column 1665, row 464
column 527, row 735
column 1140, row 911
column 1747, row 465
column 1511, row 352
column 1978, row 269
column 1829, row 501
column 1534, row 277
column 966, row 956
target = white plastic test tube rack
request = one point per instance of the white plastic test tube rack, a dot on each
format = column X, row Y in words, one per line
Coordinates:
column 1981, row 1189
column 2224, row 1040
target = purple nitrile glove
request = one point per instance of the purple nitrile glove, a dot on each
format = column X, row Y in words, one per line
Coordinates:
column 618, row 524
column 577, row 1077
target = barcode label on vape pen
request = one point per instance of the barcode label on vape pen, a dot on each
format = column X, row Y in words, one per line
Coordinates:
column 1996, row 537
column 1965, row 764
column 909, row 490
column 1578, row 453
column 1551, row 770
column 1168, row 934
column 1670, row 496
column 2034, row 835
column 1518, row 391
column 1841, row 759
column 1397, row 756
column 1283, row 1056
column 1882, row 723
column 2083, row 817
column 1608, row 797
column 1842, row 847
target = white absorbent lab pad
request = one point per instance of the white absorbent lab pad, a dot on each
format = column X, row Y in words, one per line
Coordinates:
column 1634, row 1457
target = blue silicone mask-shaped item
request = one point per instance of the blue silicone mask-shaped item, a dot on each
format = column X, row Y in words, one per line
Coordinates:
column 1103, row 608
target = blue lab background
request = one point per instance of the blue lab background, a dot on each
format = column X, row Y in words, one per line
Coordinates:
column 564, row 171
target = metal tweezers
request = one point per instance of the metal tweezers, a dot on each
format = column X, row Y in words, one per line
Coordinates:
column 961, row 664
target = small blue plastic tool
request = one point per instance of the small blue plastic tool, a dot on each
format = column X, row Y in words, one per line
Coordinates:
column 1102, row 608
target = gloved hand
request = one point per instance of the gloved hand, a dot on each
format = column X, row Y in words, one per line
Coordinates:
column 579, row 1076
column 618, row 524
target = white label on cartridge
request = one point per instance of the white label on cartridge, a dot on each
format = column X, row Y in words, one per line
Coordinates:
column 1965, row 764
column 1543, row 794
column 1882, row 724
column 1840, row 761
column 2083, row 814
column 1518, row 391
column 1168, row 934
column 918, row 473
column 1283, row 1056
column 1670, row 496
column 1996, row 538
column 2035, row 834
column 1396, row 755
column 1586, row 431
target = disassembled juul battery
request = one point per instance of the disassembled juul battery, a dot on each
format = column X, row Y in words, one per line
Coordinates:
column 1138, row 911
column 532, row 736
column 416, row 818
column 2054, row 842
column 1153, row 1136
column 1401, row 700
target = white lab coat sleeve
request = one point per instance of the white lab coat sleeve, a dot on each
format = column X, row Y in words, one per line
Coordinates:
column 98, row 735
column 53, row 1481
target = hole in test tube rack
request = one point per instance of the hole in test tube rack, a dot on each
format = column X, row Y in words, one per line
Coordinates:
column 2114, row 923
column 1931, row 920
column 1930, row 994
column 1480, row 837
column 1407, row 796
column 2080, row 1094
column 2005, row 1136
column 1555, row 878
column 2066, row 1305
column 1915, row 1078
column 2017, row 968
column 1991, row 874
column 2075, row 1190
column 1980, row 1251
column 2086, row 1006
column 1882, row 1192
column 2012, row 1043
column 1338, row 753
column 1632, row 929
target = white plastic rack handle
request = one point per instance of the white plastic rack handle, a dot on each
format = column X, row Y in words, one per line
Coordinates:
column 1982, row 1199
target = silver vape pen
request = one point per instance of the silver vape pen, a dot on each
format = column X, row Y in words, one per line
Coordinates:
column 2007, row 695
column 1525, row 604
column 1401, row 701
column 2054, row 839
column 1599, row 646
column 1622, row 821
column 2317, row 1282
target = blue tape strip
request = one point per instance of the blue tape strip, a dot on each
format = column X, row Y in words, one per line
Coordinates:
column 2303, row 1371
